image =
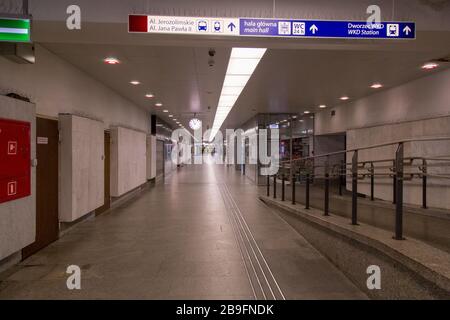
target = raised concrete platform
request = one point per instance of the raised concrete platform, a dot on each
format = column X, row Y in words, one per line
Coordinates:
column 410, row 269
column 428, row 225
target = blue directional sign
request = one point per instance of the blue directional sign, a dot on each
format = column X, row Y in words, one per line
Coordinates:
column 326, row 29
column 256, row 27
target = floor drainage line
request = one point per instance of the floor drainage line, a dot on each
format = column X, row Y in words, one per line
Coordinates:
column 257, row 246
column 250, row 244
column 235, row 232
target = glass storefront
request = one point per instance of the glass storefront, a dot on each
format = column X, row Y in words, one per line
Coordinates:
column 296, row 133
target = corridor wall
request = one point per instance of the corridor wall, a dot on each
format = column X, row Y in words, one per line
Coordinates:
column 151, row 157
column 81, row 166
column 18, row 217
column 128, row 160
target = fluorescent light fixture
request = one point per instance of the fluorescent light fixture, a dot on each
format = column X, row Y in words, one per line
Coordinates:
column 430, row 66
column 232, row 90
column 307, row 112
column 149, row 95
column 159, row 104
column 242, row 64
column 170, row 116
column 376, row 85
column 344, row 98
column 111, row 61
column 322, row 106
column 235, row 80
column 165, row 111
column 228, row 100
column 135, row 82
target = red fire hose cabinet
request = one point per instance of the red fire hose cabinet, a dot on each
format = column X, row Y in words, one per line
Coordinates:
column 15, row 159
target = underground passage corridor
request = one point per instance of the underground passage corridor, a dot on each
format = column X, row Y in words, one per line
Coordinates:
column 196, row 245
column 225, row 159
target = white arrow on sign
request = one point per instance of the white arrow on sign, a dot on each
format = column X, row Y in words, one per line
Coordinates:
column 407, row 30
column 313, row 29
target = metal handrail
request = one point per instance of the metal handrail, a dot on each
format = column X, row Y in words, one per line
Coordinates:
column 396, row 171
column 386, row 144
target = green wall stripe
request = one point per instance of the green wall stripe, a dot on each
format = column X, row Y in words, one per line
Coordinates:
column 14, row 37
column 12, row 23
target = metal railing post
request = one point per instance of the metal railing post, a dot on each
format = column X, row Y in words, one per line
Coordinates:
column 424, row 183
column 399, row 192
column 394, row 185
column 274, row 186
column 355, row 188
column 283, row 180
column 372, row 182
column 326, row 205
column 268, row 185
column 307, row 192
column 327, row 195
column 341, row 176
column 293, row 188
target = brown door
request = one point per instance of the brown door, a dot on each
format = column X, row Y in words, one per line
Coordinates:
column 47, row 227
column 107, row 204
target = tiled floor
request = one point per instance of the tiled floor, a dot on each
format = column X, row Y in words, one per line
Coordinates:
column 178, row 241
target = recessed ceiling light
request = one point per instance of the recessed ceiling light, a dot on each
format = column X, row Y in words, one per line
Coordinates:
column 170, row 116
column 376, row 86
column 322, row 106
column 294, row 117
column 174, row 119
column 159, row 104
column 344, row 98
column 165, row 111
column 301, row 120
column 111, row 61
column 135, row 82
column 306, row 112
column 430, row 65
column 149, row 95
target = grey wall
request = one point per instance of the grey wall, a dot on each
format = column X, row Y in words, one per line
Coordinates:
column 327, row 144
column 56, row 86
column 438, row 189
column 81, row 167
column 128, row 160
column 420, row 108
column 427, row 97
column 18, row 217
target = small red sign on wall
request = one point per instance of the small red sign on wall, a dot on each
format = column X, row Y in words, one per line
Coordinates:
column 15, row 159
column 12, row 188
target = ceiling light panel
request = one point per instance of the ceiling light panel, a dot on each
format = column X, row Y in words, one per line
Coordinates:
column 236, row 80
column 232, row 90
column 242, row 64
